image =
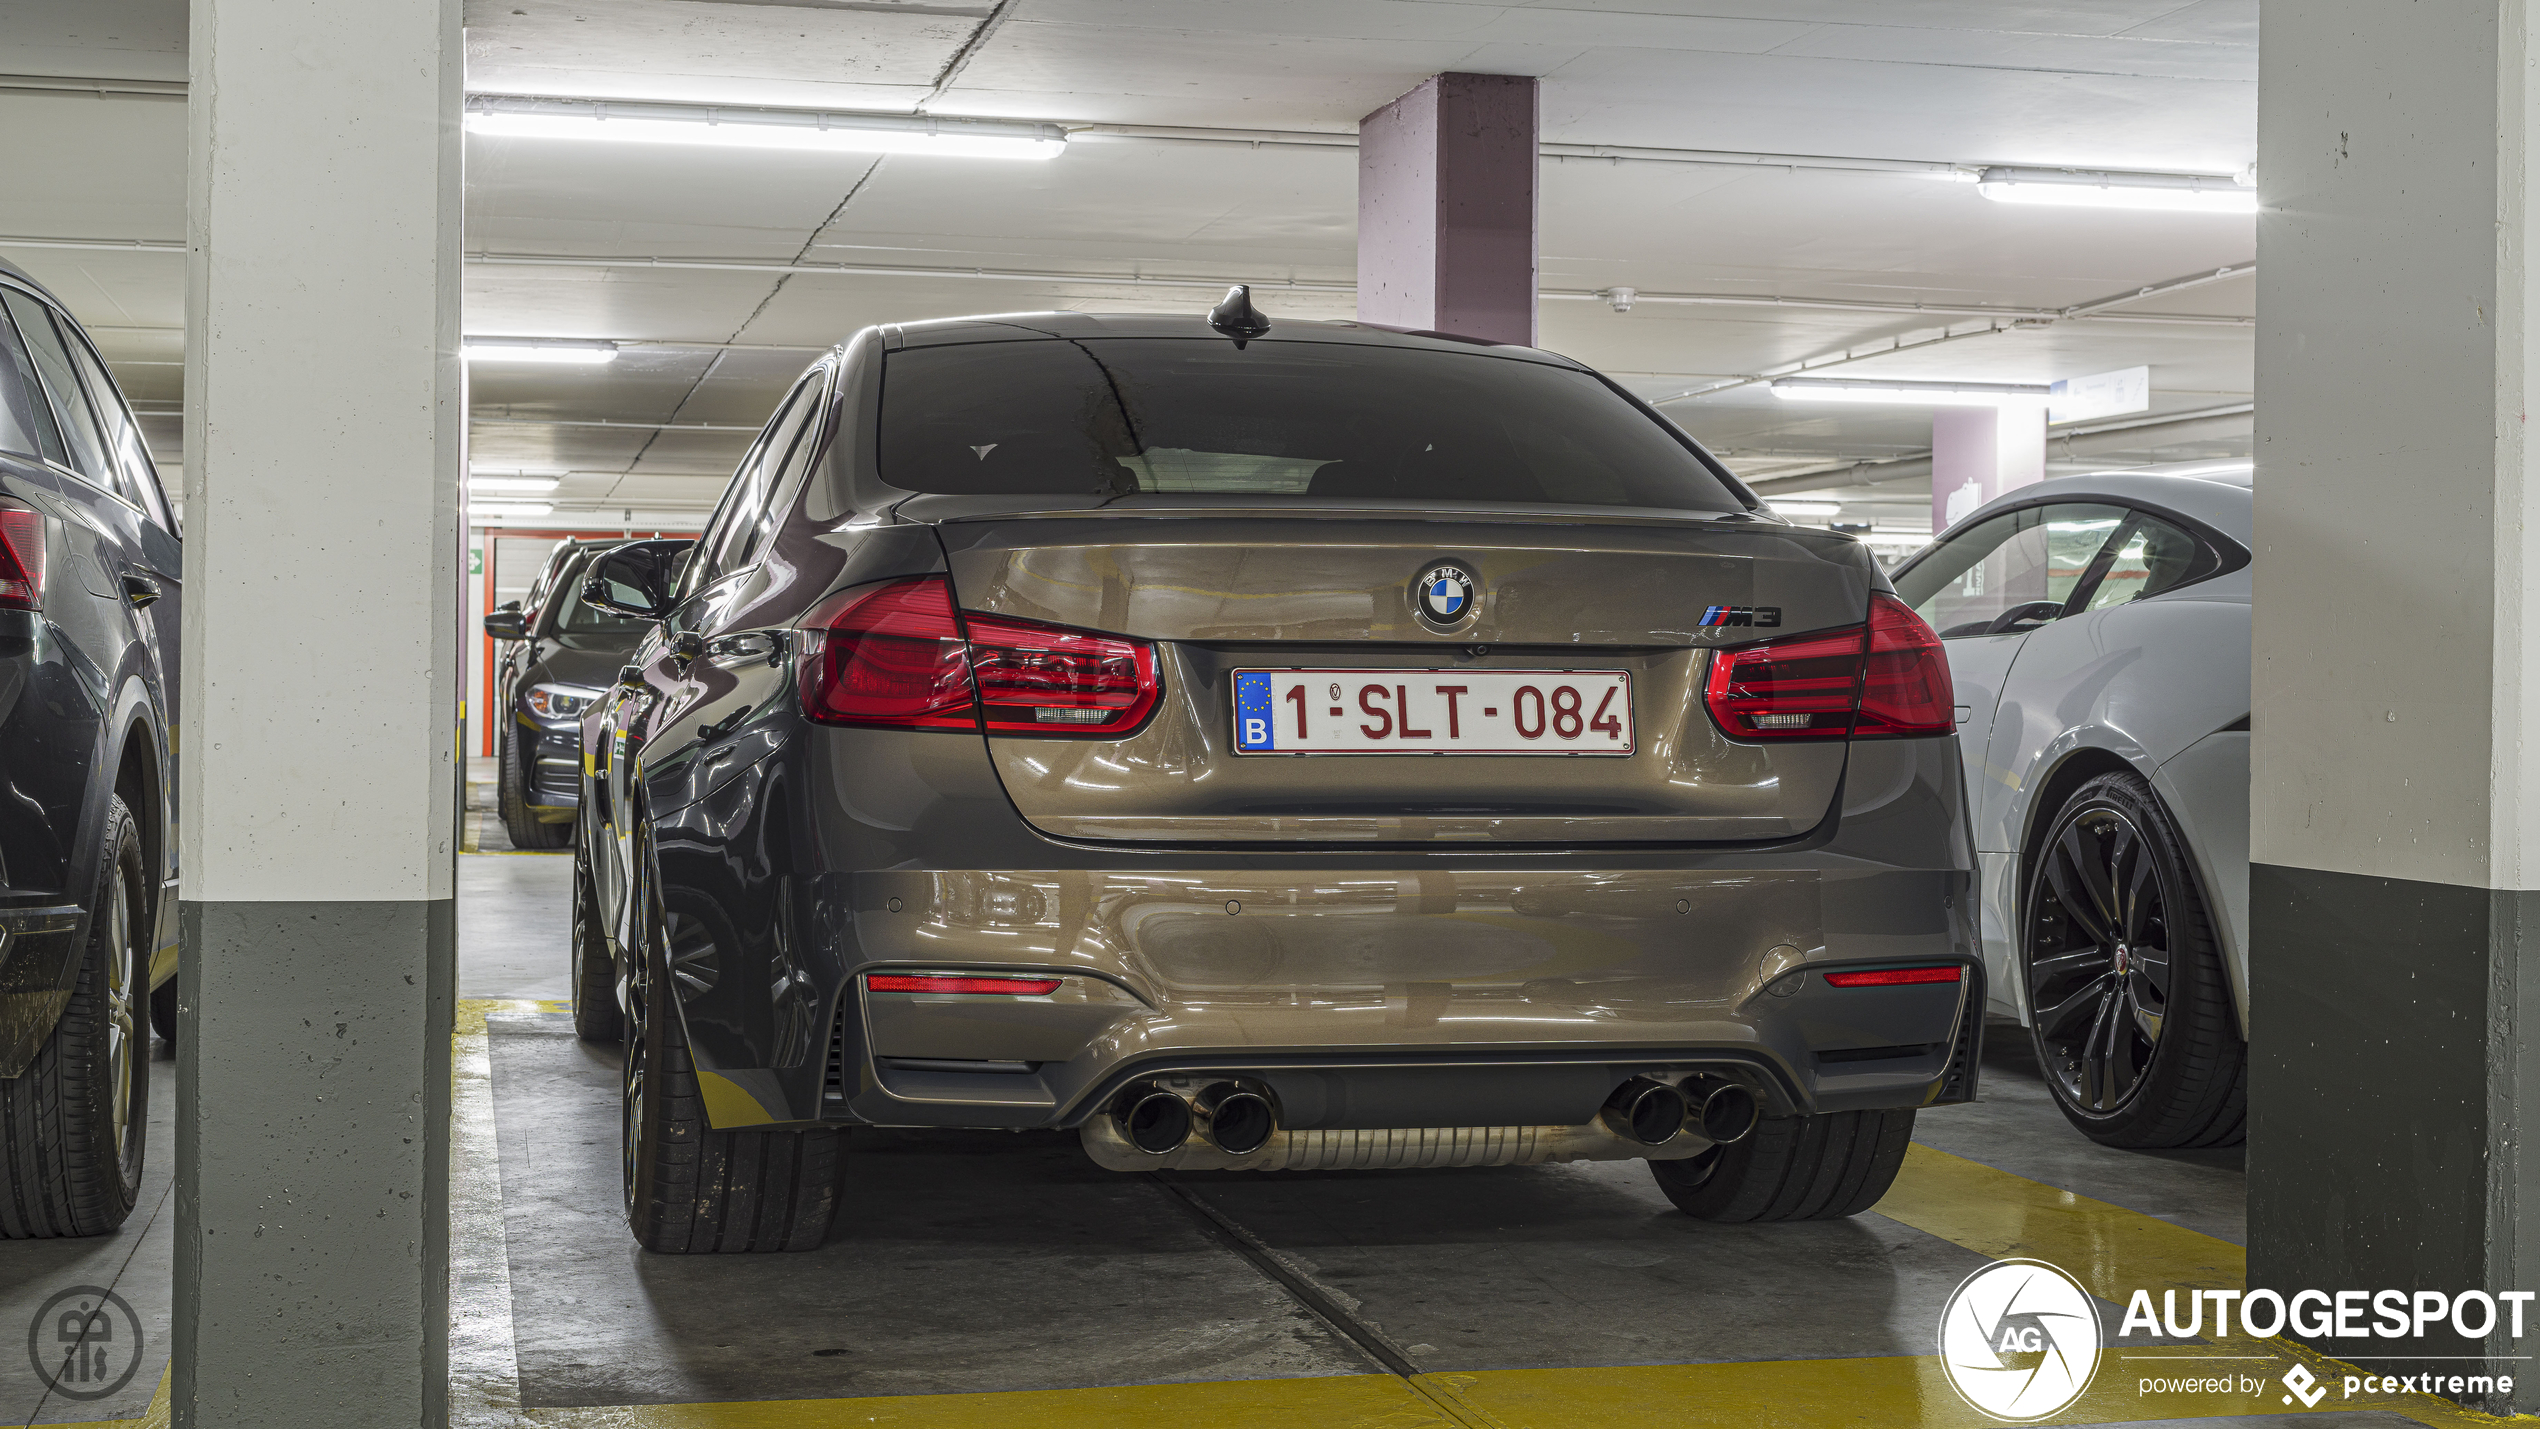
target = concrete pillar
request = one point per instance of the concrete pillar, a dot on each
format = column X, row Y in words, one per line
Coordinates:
column 324, row 431
column 1978, row 453
column 1446, row 208
column 2395, row 745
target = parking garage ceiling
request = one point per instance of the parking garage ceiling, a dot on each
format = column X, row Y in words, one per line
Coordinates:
column 683, row 254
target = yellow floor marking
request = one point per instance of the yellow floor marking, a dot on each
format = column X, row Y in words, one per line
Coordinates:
column 154, row 1417
column 1366, row 1401
column 2110, row 1249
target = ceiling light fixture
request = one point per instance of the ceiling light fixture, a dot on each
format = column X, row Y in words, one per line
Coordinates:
column 482, row 509
column 1816, row 510
column 1921, row 394
column 517, row 485
column 568, row 351
column 2097, row 188
column 815, row 131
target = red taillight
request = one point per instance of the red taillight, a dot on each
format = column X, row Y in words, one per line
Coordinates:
column 1829, row 686
column 1905, row 683
column 942, row 982
column 1894, row 977
column 21, row 558
column 888, row 655
column 1043, row 679
column 897, row 655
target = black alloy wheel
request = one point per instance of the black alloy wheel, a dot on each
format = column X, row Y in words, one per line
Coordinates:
column 2126, row 995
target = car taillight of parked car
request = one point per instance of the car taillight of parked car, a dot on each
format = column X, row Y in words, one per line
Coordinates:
column 898, row 655
column 21, row 557
column 1884, row 679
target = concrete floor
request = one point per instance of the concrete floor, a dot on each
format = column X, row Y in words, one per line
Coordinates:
column 1001, row 1264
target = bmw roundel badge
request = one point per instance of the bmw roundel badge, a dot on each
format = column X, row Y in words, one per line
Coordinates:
column 1446, row 595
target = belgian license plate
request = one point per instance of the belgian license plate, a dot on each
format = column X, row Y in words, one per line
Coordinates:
column 1433, row 712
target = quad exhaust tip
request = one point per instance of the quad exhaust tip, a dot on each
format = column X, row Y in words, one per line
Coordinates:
column 1236, row 1121
column 1727, row 1112
column 1152, row 1119
column 1645, row 1110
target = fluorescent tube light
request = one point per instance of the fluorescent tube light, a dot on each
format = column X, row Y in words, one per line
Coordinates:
column 520, row 485
column 537, row 349
column 1817, row 510
column 804, row 130
column 2093, row 188
column 509, row 508
column 1928, row 394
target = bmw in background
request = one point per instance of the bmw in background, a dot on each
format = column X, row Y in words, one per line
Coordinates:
column 561, row 652
column 2098, row 637
column 1263, row 747
column 89, row 565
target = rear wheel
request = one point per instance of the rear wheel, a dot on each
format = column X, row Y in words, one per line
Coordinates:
column 512, row 791
column 1793, row 1168
column 690, row 1188
column 72, row 1125
column 2126, row 994
column 596, row 1016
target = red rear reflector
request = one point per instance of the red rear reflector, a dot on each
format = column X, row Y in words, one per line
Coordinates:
column 1892, row 977
column 21, row 558
column 938, row 982
column 898, row 656
column 1829, row 686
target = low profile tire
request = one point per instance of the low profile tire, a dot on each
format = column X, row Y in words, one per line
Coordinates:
column 691, row 1189
column 596, row 1015
column 2127, row 1000
column 1793, row 1168
column 72, row 1125
column 511, row 793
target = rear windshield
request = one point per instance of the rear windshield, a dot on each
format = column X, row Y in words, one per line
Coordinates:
column 1122, row 416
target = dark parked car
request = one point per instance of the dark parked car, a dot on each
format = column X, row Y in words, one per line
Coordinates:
column 561, row 652
column 89, row 560
column 1264, row 747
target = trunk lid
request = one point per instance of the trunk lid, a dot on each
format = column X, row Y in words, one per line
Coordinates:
column 1221, row 590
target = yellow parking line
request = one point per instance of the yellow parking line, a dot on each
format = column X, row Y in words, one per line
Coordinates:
column 1366, row 1401
column 154, row 1417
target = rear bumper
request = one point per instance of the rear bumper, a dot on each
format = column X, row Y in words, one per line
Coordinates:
column 1366, row 988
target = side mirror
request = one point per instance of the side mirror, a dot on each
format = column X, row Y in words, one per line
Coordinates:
column 505, row 622
column 635, row 579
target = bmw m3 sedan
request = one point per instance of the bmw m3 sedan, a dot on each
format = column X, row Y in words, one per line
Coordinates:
column 1251, row 745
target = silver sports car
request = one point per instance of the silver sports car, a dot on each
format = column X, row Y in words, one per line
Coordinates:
column 2098, row 635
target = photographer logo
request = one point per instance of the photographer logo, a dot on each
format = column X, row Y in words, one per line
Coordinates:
column 85, row 1343
column 2019, row 1340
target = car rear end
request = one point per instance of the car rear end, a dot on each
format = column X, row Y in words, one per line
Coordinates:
column 1394, row 753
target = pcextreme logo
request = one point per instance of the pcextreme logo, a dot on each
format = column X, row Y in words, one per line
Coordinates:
column 2019, row 1340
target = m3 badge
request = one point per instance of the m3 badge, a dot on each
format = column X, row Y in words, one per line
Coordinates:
column 1762, row 617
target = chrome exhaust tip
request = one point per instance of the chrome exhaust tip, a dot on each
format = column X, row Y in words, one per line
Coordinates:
column 1236, row 1121
column 1150, row 1118
column 1645, row 1110
column 1728, row 1112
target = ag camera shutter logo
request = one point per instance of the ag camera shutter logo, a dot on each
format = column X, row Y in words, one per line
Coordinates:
column 2019, row 1340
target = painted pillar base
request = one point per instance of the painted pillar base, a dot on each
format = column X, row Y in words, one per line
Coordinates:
column 2384, row 1080
column 311, row 1192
